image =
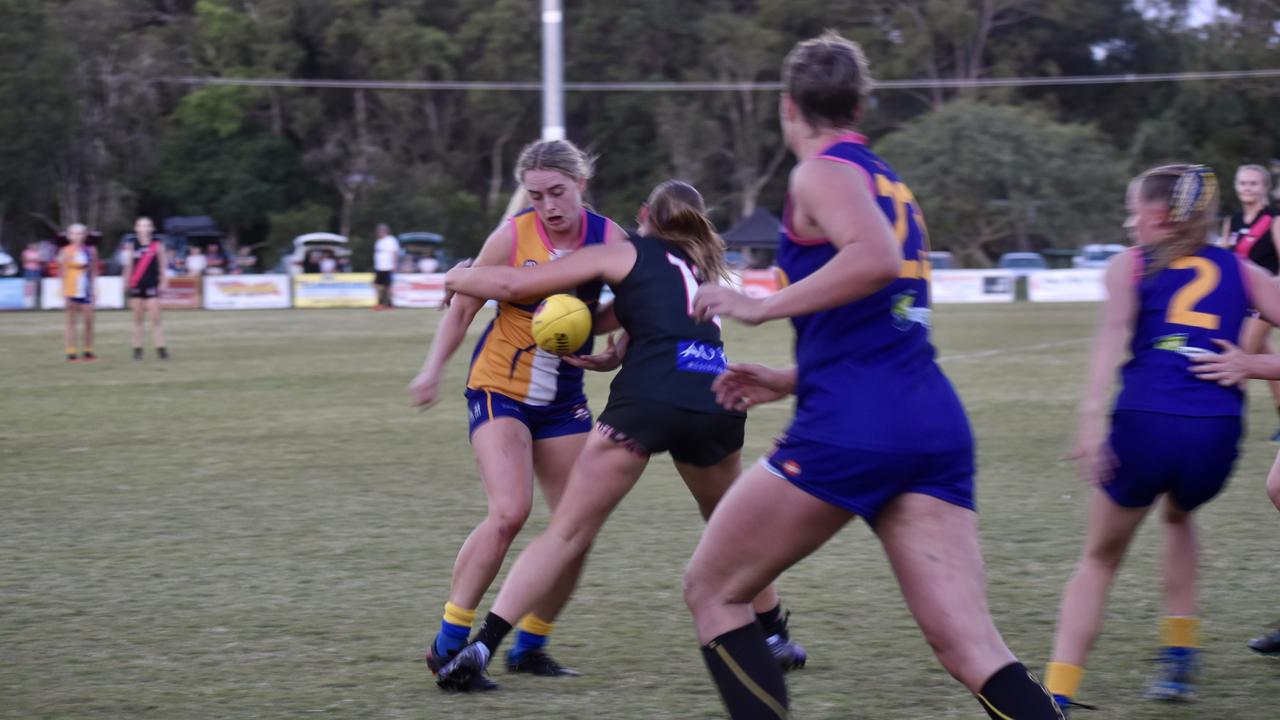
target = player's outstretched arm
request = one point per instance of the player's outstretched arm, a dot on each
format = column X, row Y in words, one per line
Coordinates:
column 836, row 200
column 1231, row 365
column 424, row 389
column 610, row 263
column 1090, row 451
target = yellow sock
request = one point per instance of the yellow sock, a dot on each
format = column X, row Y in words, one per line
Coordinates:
column 71, row 350
column 1180, row 631
column 1063, row 679
column 533, row 624
column 461, row 617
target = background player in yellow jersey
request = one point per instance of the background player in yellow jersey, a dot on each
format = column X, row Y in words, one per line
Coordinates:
column 527, row 411
column 78, row 263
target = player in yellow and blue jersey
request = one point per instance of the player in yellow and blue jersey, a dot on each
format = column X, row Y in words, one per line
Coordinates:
column 527, row 413
column 78, row 264
column 878, row 431
column 1171, row 298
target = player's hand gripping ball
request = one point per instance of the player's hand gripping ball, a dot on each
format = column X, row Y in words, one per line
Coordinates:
column 561, row 324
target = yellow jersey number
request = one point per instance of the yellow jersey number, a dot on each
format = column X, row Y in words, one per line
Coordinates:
column 916, row 268
column 1182, row 307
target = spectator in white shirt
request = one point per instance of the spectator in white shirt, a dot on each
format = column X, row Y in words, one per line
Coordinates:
column 196, row 261
column 386, row 253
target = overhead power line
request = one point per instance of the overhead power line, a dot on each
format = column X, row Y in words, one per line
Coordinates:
column 719, row 86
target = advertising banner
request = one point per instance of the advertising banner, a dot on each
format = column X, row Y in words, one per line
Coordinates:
column 183, row 293
column 417, row 290
column 759, row 283
column 335, row 290
column 17, row 294
column 108, row 293
column 246, row 292
column 971, row 286
column 1083, row 285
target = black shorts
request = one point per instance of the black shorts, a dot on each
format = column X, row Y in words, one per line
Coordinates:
column 144, row 291
column 382, row 277
column 694, row 438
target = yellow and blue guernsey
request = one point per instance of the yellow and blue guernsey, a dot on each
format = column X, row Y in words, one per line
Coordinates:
column 77, row 282
column 507, row 361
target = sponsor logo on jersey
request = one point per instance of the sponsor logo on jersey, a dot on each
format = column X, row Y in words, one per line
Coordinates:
column 1177, row 342
column 905, row 312
column 700, row 357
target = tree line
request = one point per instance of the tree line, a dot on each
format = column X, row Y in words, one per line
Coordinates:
column 96, row 127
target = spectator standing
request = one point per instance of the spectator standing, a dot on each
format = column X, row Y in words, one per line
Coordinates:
column 428, row 263
column 328, row 264
column 32, row 265
column 217, row 265
column 386, row 251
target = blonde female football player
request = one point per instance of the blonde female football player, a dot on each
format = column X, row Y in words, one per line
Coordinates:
column 660, row 401
column 527, row 411
column 145, row 272
column 1170, row 434
column 78, row 263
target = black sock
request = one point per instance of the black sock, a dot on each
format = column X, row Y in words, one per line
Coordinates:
column 492, row 632
column 746, row 674
column 1013, row 693
column 774, row 622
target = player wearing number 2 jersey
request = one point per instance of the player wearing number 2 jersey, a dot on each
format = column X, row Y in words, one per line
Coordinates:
column 1174, row 297
column 660, row 401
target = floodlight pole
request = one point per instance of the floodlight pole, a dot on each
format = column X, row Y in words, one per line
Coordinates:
column 552, row 70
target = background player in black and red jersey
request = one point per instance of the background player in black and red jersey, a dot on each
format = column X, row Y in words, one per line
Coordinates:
column 1253, row 233
column 145, row 260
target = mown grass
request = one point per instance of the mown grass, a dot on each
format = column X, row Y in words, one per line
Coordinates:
column 261, row 528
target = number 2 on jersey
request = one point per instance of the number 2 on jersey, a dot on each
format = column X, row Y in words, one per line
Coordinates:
column 904, row 202
column 1182, row 307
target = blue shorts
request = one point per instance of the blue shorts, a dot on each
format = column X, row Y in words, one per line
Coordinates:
column 1188, row 457
column 81, row 300
column 543, row 421
column 865, row 481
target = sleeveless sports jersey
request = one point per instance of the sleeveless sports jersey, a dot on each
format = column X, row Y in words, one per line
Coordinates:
column 866, row 372
column 671, row 358
column 1253, row 241
column 1181, row 310
column 506, row 359
column 74, row 266
column 145, row 270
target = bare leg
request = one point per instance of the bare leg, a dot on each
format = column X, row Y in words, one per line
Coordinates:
column 762, row 526
column 503, row 452
column 1273, row 483
column 136, row 306
column 69, row 329
column 87, row 311
column 932, row 546
column 708, row 485
column 1110, row 530
column 553, row 461
column 1181, row 561
column 604, row 473
column 157, row 324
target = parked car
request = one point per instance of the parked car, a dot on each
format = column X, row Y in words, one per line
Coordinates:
column 319, row 242
column 942, row 260
column 1022, row 263
column 417, row 246
column 1096, row 255
column 8, row 266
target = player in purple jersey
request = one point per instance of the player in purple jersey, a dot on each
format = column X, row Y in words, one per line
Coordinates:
column 1171, row 298
column 878, row 431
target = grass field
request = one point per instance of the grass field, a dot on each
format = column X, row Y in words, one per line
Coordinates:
column 261, row 528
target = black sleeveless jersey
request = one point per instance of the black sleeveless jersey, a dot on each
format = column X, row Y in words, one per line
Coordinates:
column 670, row 358
column 150, row 276
column 1263, row 251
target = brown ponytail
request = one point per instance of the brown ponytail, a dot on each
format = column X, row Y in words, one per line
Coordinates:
column 678, row 215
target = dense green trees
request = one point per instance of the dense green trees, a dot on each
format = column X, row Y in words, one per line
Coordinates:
column 94, row 126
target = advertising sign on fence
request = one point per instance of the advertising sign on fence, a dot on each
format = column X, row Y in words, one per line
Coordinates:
column 418, row 290
column 335, row 290
column 183, row 293
column 971, row 286
column 17, row 294
column 246, row 292
column 1083, row 285
column 108, row 293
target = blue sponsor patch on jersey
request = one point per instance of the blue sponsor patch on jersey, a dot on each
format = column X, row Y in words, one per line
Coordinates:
column 700, row 357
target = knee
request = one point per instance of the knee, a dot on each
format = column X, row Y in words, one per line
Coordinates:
column 964, row 652
column 508, row 521
column 1105, row 555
